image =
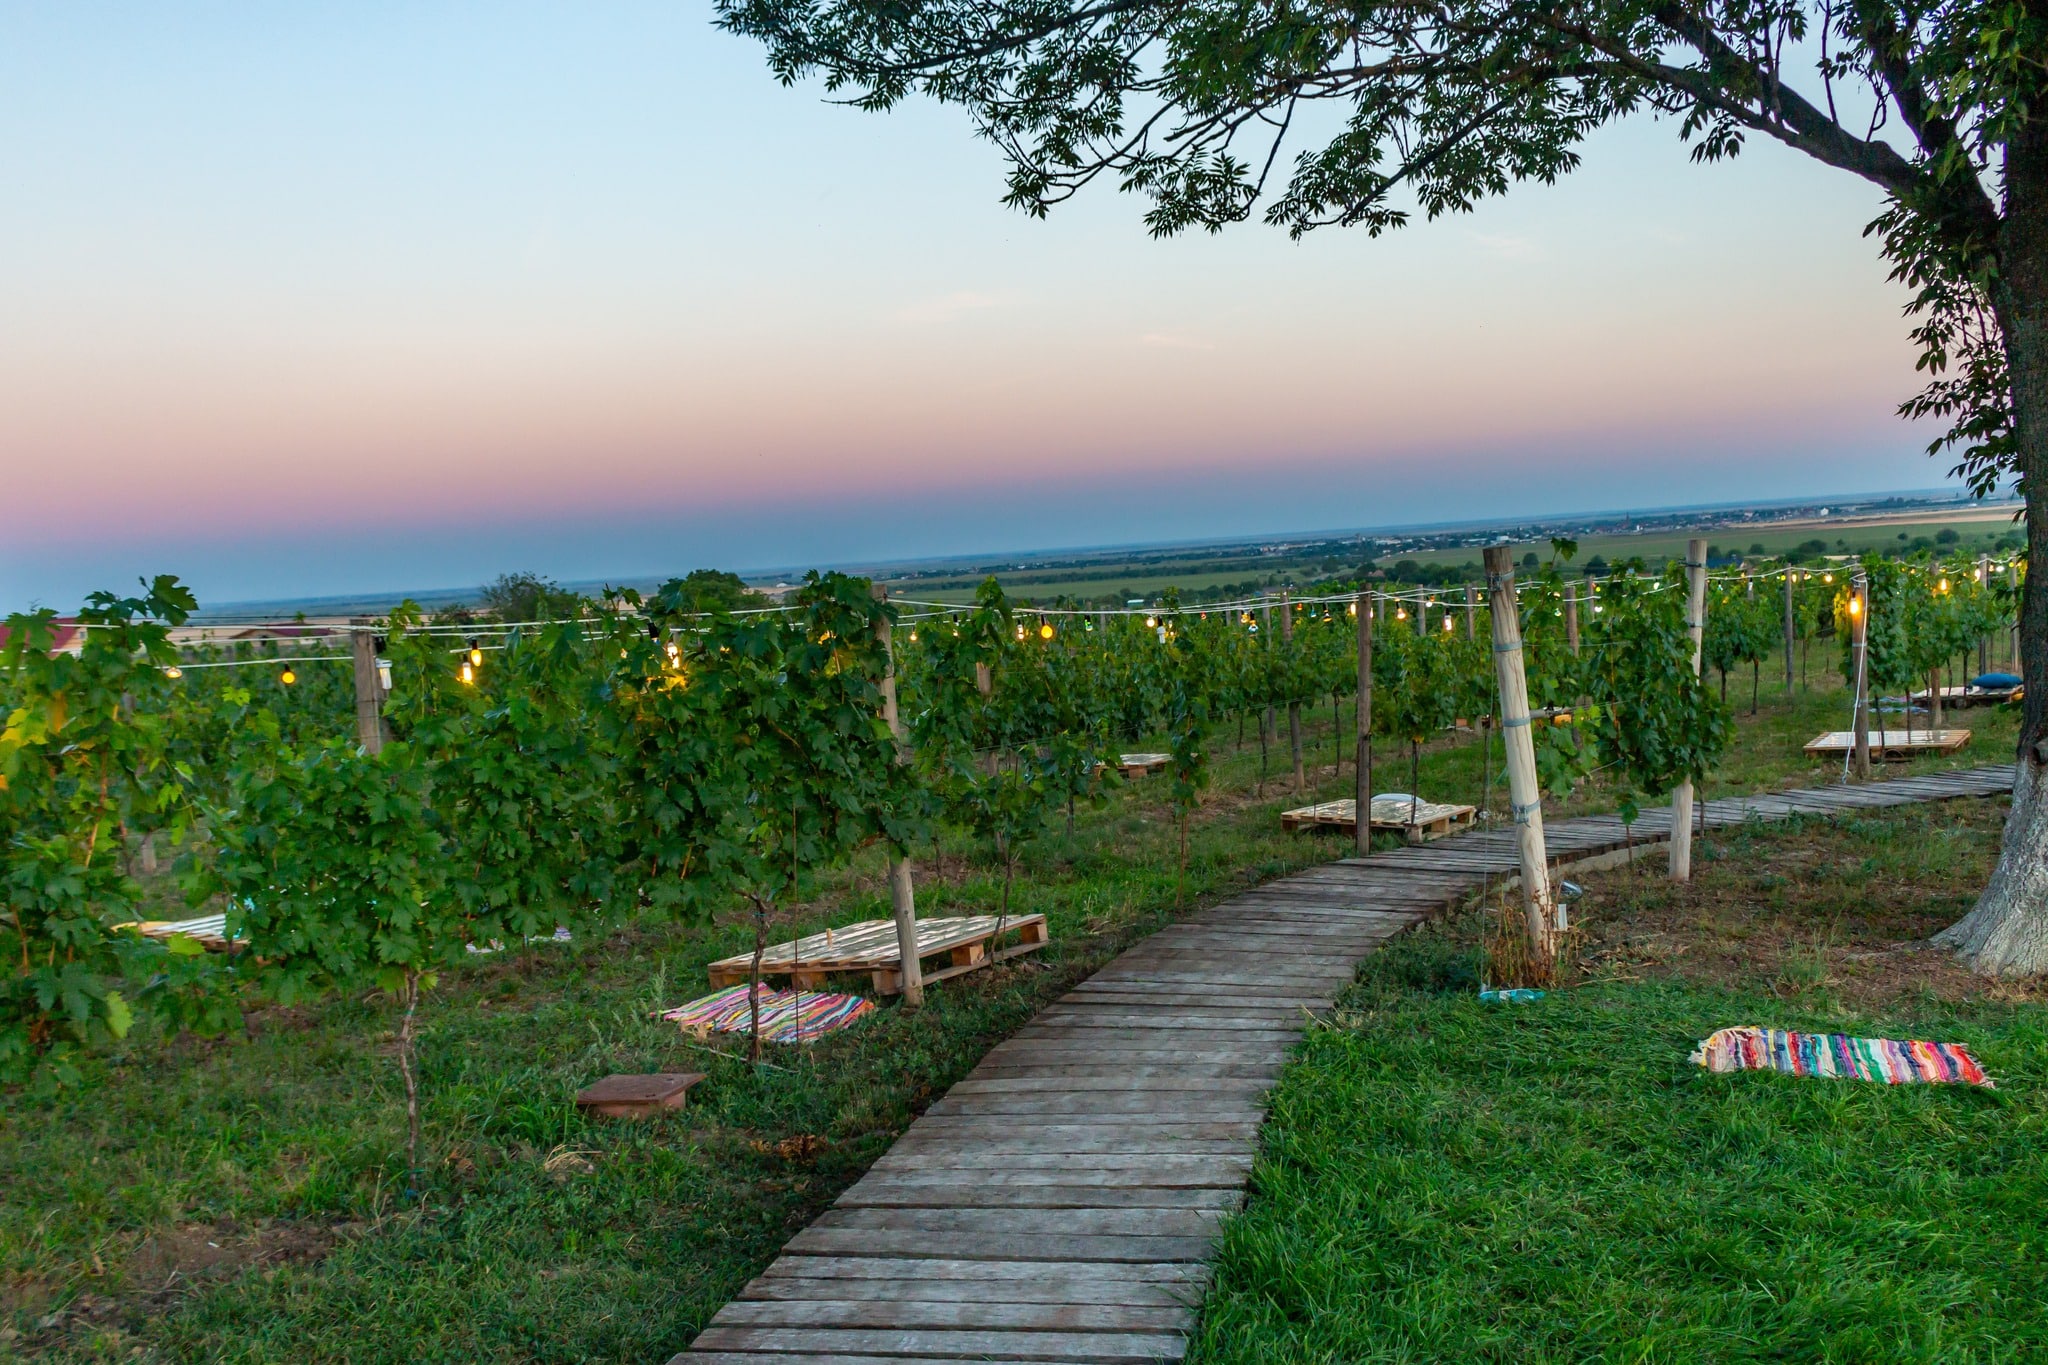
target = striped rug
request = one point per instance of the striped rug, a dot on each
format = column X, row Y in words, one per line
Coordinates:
column 1837, row 1055
column 786, row 1016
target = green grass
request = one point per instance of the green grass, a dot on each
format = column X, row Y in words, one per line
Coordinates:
column 1443, row 1180
column 242, row 1199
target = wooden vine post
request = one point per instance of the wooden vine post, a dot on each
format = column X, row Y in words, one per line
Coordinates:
column 1422, row 613
column 1362, row 805
column 369, row 686
column 1695, row 627
column 902, row 895
column 1525, row 794
column 1791, row 632
column 1571, row 617
column 1268, row 730
column 1471, row 613
column 1293, row 702
column 1984, row 640
column 1859, row 657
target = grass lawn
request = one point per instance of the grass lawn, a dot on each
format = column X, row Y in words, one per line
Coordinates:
column 1443, row 1180
column 243, row 1199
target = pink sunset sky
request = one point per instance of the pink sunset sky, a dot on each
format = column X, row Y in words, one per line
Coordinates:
column 361, row 298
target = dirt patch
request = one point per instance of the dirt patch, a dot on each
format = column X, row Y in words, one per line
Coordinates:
column 1843, row 906
column 162, row 1268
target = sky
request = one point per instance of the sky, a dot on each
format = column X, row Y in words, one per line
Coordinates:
column 359, row 297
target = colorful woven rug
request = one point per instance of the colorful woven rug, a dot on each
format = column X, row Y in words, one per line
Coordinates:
column 1838, row 1055
column 786, row 1016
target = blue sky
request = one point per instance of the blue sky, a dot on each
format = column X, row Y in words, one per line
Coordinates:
column 329, row 298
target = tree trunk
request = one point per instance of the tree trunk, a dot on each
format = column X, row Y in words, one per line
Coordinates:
column 2007, row 933
column 412, row 1084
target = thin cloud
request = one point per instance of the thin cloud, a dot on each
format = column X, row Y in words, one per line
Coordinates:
column 1506, row 248
column 947, row 307
column 1175, row 341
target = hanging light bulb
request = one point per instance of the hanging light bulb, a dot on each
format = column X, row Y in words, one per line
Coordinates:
column 1352, row 610
column 1827, row 578
column 174, row 672
column 384, row 674
column 1447, row 625
column 1045, row 631
column 468, row 674
column 1151, row 621
column 476, row 655
column 913, row 637
column 1855, row 605
column 1400, row 613
column 288, row 677
column 1944, row 585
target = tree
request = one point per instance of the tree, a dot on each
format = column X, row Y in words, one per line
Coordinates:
column 1195, row 106
column 526, row 598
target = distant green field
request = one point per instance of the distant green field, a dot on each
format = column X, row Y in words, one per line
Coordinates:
column 1975, row 530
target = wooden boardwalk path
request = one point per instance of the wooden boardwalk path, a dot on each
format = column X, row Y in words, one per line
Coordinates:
column 1059, row 1204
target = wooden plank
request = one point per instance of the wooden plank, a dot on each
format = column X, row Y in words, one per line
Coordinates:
column 1110, row 1348
column 969, row 1193
column 898, row 1243
column 1179, row 1276
column 915, row 1288
column 1037, row 1317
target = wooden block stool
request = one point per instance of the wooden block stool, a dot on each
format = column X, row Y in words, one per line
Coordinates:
column 637, row 1097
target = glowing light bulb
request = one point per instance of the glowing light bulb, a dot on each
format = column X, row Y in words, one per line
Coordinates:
column 1400, row 613
column 913, row 637
column 1827, row 578
column 468, row 673
column 1855, row 606
column 174, row 672
column 1151, row 622
column 1944, row 585
column 288, row 677
column 1447, row 625
column 1045, row 631
column 1352, row 610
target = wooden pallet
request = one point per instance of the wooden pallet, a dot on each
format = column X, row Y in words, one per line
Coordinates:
column 1961, row 697
column 1420, row 822
column 1889, row 745
column 211, row 931
column 870, row 946
column 1138, row 765
column 637, row 1096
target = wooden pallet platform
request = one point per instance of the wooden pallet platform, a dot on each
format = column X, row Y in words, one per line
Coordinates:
column 967, row 942
column 1139, row 765
column 1061, row 1202
column 1890, row 745
column 1963, row 697
column 1419, row 821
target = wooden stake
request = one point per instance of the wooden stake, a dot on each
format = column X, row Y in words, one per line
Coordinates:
column 1293, row 703
column 1362, row 788
column 1471, row 613
column 1525, row 795
column 1695, row 626
column 902, row 896
column 1859, row 645
column 369, row 686
column 1984, row 641
column 1571, row 616
column 1791, row 632
column 1422, row 613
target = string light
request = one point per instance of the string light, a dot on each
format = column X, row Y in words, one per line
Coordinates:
column 913, row 637
column 1447, row 624
column 468, row 673
column 1151, row 622
column 1944, row 585
column 1045, row 631
column 174, row 672
column 287, row 677
column 1400, row 613
column 1855, row 605
column 476, row 654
